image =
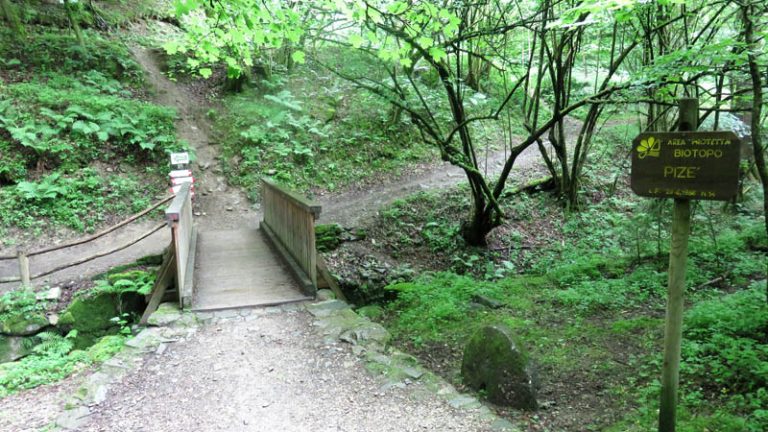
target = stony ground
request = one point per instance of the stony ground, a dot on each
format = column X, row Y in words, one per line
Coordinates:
column 318, row 367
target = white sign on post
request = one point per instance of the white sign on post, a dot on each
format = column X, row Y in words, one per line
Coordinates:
column 179, row 158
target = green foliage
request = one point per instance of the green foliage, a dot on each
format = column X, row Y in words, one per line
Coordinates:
column 289, row 138
column 138, row 281
column 21, row 301
column 79, row 201
column 724, row 368
column 438, row 307
column 49, row 51
column 236, row 32
column 65, row 122
column 53, row 360
column 65, row 112
column 726, row 343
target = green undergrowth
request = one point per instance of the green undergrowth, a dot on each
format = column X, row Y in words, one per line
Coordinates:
column 80, row 200
column 310, row 134
column 93, row 14
column 91, row 329
column 76, row 146
column 51, row 50
column 586, row 292
column 724, row 368
column 53, row 360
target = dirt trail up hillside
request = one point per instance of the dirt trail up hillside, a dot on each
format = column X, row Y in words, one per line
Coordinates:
column 217, row 205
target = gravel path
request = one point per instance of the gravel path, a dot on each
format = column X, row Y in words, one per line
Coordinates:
column 270, row 372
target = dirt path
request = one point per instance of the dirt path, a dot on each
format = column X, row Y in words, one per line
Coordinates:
column 350, row 207
column 217, row 205
column 269, row 373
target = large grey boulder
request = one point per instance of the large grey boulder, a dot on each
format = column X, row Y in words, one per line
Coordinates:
column 13, row 348
column 494, row 362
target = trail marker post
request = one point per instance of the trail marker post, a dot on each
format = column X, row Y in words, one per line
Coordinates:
column 181, row 173
column 685, row 165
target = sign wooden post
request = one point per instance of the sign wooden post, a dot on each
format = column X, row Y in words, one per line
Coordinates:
column 685, row 165
column 678, row 260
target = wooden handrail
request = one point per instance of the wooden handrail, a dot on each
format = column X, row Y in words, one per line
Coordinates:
column 289, row 223
column 90, row 258
column 179, row 217
column 297, row 199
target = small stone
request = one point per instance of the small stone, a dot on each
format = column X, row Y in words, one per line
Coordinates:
column 53, row 294
column 325, row 294
column 53, row 319
column 13, row 348
column 487, row 301
column 166, row 313
column 326, row 308
column 230, row 208
column 464, row 401
column 413, row 372
column 198, row 213
column 73, row 419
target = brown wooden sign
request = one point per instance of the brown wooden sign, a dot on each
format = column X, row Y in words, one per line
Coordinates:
column 690, row 165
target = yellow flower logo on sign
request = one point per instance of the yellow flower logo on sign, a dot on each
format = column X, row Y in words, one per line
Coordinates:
column 649, row 147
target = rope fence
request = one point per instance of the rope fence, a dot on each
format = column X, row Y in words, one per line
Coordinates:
column 25, row 276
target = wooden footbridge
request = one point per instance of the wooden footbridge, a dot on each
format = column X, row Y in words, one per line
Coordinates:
column 212, row 270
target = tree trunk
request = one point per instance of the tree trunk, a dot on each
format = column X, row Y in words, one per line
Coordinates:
column 481, row 222
column 74, row 22
column 12, row 18
column 748, row 13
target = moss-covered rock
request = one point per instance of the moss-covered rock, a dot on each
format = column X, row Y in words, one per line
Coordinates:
column 371, row 311
column 132, row 275
column 328, row 237
column 90, row 314
column 23, row 324
column 494, row 362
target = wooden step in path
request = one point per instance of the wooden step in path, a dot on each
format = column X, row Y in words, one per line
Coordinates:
column 239, row 268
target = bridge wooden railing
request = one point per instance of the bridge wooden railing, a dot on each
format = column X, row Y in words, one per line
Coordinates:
column 26, row 276
column 179, row 217
column 289, row 223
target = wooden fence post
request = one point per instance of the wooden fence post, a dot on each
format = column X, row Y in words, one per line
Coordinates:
column 24, row 268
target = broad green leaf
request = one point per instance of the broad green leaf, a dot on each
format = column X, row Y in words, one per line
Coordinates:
column 298, row 57
column 437, row 53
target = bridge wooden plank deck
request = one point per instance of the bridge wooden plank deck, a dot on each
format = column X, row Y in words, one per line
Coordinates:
column 240, row 269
